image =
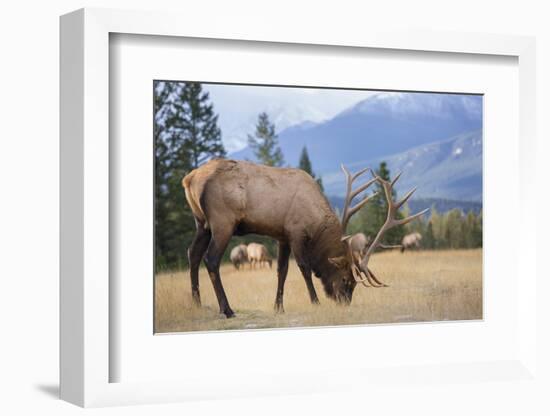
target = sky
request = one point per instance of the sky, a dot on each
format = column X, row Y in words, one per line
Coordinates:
column 238, row 107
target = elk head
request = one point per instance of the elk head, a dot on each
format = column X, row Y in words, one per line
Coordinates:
column 355, row 262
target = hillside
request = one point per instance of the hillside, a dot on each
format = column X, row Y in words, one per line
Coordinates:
column 449, row 169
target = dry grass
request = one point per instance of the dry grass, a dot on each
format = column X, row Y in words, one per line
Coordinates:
column 424, row 286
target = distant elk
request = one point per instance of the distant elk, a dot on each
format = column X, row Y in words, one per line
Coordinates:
column 230, row 197
column 411, row 241
column 239, row 255
column 258, row 255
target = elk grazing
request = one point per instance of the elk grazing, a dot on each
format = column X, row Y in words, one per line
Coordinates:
column 258, row 254
column 238, row 255
column 358, row 244
column 230, row 197
column 411, row 241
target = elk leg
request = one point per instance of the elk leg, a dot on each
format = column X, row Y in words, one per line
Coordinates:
column 306, row 272
column 212, row 259
column 282, row 271
column 195, row 253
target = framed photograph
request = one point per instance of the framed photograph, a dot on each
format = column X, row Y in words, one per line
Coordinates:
column 275, row 205
column 242, row 202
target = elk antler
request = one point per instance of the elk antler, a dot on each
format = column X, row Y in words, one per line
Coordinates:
column 348, row 212
column 391, row 221
column 366, row 279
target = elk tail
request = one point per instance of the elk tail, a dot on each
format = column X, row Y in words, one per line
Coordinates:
column 192, row 194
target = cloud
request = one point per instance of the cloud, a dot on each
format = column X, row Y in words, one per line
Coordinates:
column 238, row 107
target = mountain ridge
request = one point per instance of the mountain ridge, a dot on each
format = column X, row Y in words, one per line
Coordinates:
column 447, row 169
column 395, row 128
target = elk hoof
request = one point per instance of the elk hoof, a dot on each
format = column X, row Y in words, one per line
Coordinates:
column 196, row 299
column 279, row 308
column 228, row 313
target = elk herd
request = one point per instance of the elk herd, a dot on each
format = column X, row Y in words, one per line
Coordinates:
column 234, row 198
column 254, row 254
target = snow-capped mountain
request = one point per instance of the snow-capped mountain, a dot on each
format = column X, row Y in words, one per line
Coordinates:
column 434, row 138
column 381, row 125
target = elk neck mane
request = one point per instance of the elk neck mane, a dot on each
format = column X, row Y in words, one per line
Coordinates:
column 326, row 243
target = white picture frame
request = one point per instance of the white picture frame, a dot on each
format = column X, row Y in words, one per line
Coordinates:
column 85, row 217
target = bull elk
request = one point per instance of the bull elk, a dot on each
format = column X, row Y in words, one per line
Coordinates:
column 230, row 197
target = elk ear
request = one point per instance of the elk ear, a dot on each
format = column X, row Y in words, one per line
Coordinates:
column 339, row 262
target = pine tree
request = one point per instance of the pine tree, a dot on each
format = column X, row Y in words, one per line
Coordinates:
column 305, row 164
column 186, row 134
column 265, row 144
column 195, row 125
column 163, row 93
column 374, row 214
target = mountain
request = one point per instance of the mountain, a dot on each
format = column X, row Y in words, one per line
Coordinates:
column 383, row 124
column 449, row 169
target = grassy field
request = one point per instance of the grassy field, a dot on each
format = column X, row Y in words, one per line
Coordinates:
column 423, row 286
